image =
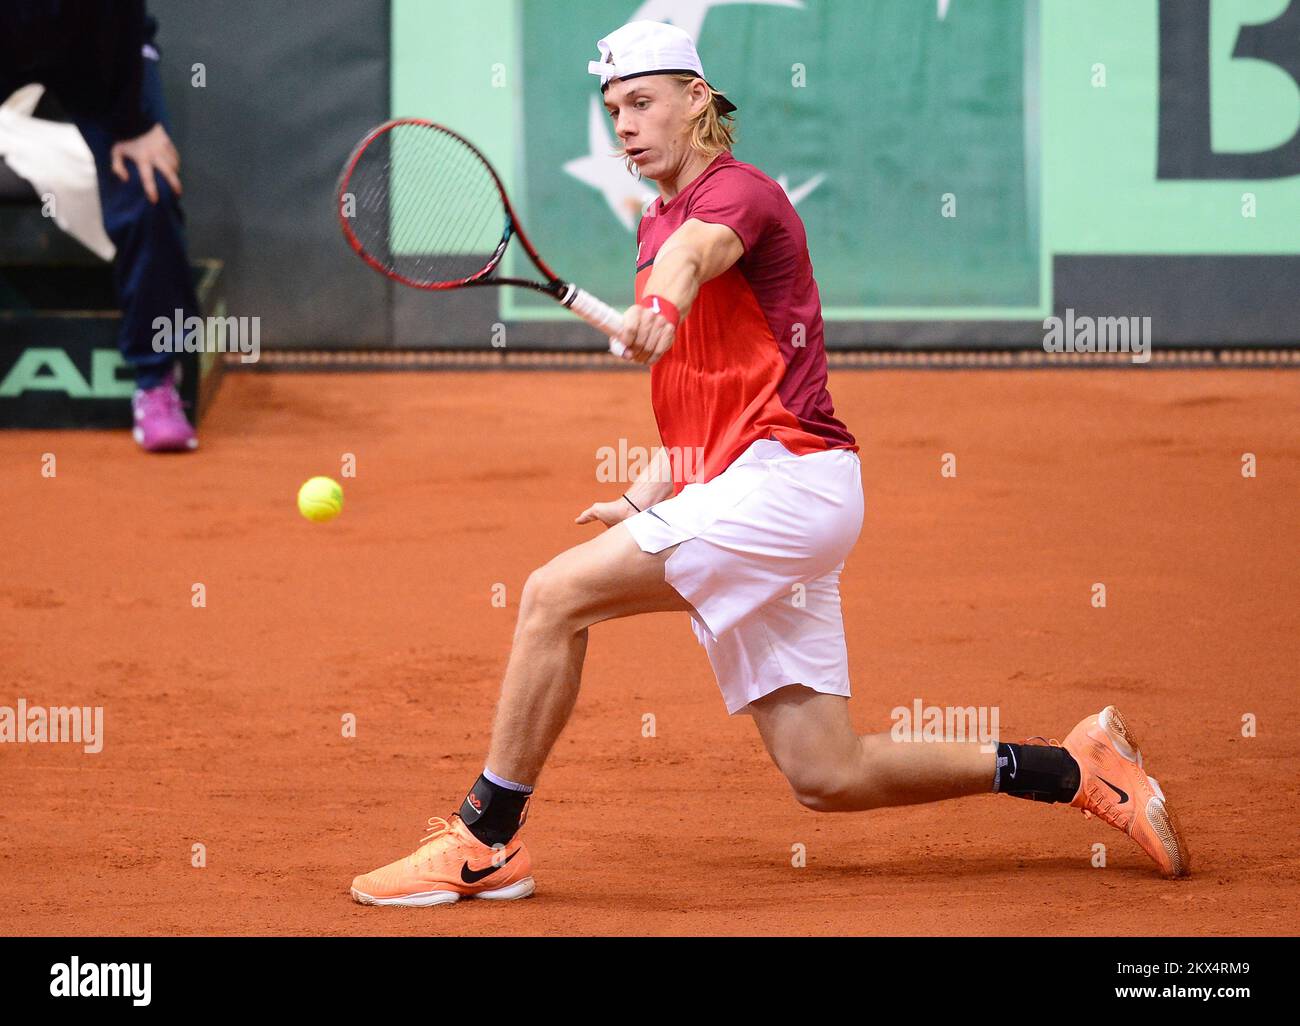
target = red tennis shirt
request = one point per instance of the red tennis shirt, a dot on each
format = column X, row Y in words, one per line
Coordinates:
column 749, row 361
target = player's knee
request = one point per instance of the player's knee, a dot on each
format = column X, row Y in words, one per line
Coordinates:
column 822, row 788
column 537, row 594
column 548, row 599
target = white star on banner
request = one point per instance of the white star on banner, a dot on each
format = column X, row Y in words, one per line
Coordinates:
column 626, row 196
column 689, row 15
column 943, row 9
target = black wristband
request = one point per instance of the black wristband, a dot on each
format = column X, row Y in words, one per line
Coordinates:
column 631, row 503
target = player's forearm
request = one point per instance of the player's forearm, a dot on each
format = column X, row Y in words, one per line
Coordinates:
column 676, row 277
column 654, row 483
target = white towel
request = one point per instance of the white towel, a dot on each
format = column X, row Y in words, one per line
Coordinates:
column 58, row 163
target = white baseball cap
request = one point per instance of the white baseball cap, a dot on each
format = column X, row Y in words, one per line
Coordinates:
column 649, row 48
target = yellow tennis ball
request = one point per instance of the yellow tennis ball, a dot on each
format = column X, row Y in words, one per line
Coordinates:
column 320, row 499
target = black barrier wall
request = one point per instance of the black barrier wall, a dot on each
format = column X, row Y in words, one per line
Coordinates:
column 266, row 100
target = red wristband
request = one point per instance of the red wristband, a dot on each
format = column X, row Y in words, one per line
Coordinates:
column 661, row 306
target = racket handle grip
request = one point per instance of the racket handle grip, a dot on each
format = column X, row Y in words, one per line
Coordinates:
column 599, row 315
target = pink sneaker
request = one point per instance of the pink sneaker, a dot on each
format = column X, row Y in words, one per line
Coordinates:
column 160, row 424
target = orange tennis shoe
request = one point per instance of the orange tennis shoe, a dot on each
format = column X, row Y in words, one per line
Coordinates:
column 1114, row 787
column 450, row 864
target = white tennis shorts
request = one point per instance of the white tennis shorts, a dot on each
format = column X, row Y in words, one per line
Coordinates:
column 760, row 549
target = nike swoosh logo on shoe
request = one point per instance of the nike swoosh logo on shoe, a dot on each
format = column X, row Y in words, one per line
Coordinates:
column 470, row 876
column 1123, row 795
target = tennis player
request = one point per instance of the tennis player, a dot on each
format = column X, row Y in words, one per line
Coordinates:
column 743, row 521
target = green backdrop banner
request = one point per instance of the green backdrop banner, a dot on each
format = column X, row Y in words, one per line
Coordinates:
column 964, row 167
column 875, row 115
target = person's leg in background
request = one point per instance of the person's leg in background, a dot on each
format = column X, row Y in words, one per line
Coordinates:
column 152, row 276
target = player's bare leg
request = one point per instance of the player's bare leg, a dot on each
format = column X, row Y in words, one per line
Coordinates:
column 604, row 578
column 832, row 768
column 477, row 853
column 1099, row 769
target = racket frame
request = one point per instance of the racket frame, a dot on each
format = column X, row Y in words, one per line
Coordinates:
column 600, row 315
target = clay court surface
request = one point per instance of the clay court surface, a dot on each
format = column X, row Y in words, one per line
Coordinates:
column 222, row 724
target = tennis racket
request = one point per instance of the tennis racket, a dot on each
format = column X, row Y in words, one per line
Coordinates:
column 420, row 204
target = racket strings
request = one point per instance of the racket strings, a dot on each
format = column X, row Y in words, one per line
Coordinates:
column 449, row 186
column 472, row 218
column 452, row 200
column 426, row 205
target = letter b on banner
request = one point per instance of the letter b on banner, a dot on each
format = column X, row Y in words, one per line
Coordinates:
column 1186, row 149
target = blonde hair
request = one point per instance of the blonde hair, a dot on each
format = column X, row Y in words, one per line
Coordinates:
column 711, row 131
